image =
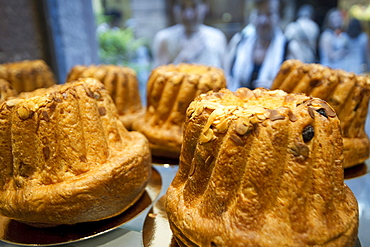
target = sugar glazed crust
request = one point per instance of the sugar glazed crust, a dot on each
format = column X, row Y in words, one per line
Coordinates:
column 66, row 158
column 170, row 90
column 346, row 92
column 27, row 75
column 261, row 168
column 122, row 85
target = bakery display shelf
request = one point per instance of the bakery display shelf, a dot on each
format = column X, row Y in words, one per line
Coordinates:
column 150, row 228
column 359, row 183
column 14, row 232
column 156, row 229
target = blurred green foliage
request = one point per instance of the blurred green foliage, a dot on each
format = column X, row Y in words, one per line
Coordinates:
column 118, row 46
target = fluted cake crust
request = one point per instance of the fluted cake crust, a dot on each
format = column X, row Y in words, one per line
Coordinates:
column 347, row 93
column 261, row 168
column 170, row 90
column 27, row 75
column 122, row 85
column 6, row 90
column 66, row 158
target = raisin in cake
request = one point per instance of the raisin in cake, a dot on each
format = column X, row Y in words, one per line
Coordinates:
column 346, row 92
column 261, row 168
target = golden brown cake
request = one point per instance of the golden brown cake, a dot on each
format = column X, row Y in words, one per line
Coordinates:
column 66, row 158
column 27, row 75
column 170, row 90
column 122, row 85
column 347, row 93
column 261, row 168
column 6, row 90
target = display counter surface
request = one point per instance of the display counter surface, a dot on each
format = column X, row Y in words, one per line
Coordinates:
column 131, row 233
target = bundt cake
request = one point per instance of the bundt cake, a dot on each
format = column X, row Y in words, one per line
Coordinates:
column 261, row 168
column 6, row 90
column 65, row 157
column 27, row 75
column 347, row 93
column 122, row 85
column 170, row 90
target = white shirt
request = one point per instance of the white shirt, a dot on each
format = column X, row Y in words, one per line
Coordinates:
column 207, row 46
column 241, row 70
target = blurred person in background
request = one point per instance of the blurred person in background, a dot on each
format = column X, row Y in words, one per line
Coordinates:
column 189, row 41
column 333, row 43
column 357, row 58
column 253, row 60
column 303, row 35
